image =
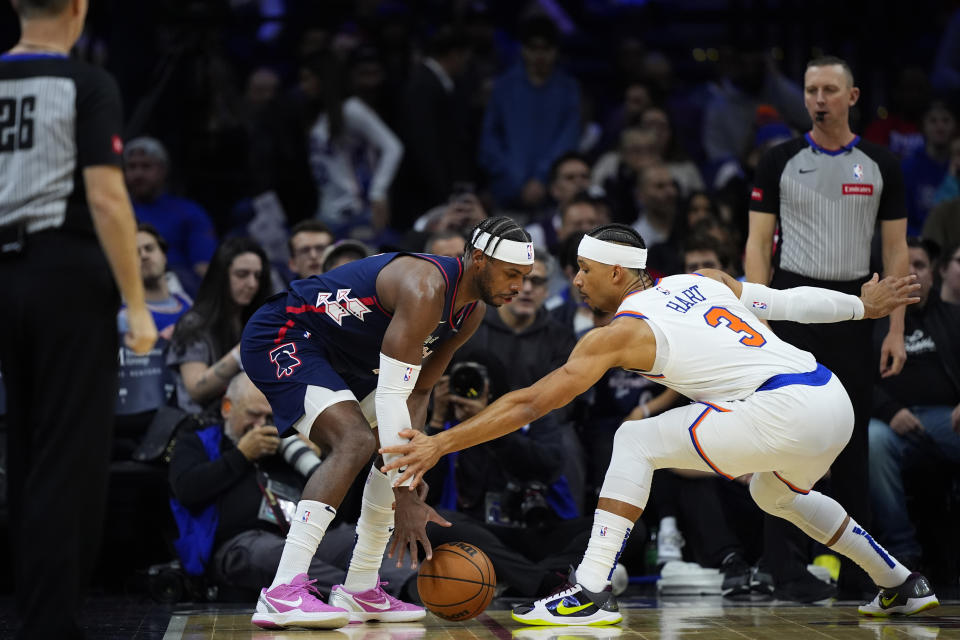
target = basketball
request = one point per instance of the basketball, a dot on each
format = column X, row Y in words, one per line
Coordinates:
column 458, row 583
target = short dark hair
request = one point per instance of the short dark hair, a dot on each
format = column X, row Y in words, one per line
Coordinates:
column 539, row 26
column 829, row 61
column 501, row 228
column 146, row 227
column 563, row 159
column 931, row 248
column 620, row 234
column 581, row 197
column 706, row 242
column 39, row 8
column 439, row 236
column 311, row 226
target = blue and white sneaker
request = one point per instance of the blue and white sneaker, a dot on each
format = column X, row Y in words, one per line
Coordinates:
column 573, row 605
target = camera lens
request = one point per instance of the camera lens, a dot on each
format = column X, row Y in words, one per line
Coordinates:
column 467, row 379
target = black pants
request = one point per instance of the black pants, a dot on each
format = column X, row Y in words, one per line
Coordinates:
column 699, row 505
column 522, row 558
column 58, row 350
column 846, row 348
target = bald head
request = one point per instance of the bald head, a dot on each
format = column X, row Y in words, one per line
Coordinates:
column 244, row 407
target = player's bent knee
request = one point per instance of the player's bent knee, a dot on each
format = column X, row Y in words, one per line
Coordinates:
column 631, row 466
column 770, row 494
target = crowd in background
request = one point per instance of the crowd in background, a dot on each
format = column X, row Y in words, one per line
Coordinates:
column 268, row 141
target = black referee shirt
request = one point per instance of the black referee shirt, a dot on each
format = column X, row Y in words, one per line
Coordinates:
column 828, row 202
column 58, row 116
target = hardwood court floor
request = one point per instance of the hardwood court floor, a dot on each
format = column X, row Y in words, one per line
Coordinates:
column 709, row 618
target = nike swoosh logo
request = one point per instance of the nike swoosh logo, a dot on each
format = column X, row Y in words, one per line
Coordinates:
column 807, row 170
column 286, row 603
column 564, row 610
column 886, row 602
column 382, row 606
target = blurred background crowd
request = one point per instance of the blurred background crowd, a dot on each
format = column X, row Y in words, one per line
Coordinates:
column 268, row 140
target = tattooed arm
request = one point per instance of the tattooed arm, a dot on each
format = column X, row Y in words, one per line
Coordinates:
column 203, row 382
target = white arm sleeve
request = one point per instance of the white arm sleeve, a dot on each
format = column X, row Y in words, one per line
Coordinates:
column 800, row 304
column 394, row 384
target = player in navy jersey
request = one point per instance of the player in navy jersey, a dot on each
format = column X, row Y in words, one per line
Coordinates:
column 357, row 347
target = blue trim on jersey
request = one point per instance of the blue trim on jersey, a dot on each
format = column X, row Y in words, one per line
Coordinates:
column 816, row 378
column 832, row 152
column 31, row 56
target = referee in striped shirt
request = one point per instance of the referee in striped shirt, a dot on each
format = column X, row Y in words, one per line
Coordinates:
column 827, row 190
column 67, row 240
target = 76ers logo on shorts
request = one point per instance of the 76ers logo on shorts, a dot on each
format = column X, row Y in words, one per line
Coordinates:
column 283, row 357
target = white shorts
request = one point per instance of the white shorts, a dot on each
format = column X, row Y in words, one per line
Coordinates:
column 317, row 399
column 796, row 431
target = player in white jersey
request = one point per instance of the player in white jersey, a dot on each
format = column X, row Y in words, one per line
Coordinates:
column 759, row 406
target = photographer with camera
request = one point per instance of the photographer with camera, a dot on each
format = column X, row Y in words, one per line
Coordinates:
column 235, row 487
column 507, row 498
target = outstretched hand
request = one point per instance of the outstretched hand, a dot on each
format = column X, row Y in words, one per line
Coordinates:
column 418, row 456
column 410, row 525
column 880, row 297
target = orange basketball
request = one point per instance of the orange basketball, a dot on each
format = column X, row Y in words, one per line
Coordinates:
column 458, row 583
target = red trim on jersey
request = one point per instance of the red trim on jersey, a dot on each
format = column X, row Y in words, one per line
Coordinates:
column 439, row 266
column 309, row 308
column 792, row 487
column 283, row 332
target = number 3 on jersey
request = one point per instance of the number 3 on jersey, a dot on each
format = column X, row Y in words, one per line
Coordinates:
column 721, row 315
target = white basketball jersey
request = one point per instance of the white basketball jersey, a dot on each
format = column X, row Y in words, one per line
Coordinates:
column 709, row 346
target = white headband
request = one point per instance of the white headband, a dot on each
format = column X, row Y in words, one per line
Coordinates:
column 503, row 249
column 610, row 253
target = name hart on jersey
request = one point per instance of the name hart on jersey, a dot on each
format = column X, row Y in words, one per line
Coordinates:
column 687, row 299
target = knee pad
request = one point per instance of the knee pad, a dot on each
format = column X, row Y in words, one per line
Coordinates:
column 769, row 492
column 817, row 515
column 631, row 467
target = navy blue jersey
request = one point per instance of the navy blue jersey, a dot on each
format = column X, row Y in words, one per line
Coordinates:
column 327, row 331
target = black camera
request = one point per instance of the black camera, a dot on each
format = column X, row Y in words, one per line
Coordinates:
column 468, row 379
column 527, row 505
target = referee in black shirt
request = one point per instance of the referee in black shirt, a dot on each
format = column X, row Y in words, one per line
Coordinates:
column 827, row 190
column 65, row 225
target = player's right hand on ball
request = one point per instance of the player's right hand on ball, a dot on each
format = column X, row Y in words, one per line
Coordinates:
column 142, row 332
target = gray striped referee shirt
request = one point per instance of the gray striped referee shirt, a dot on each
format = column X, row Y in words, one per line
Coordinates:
column 58, row 116
column 828, row 202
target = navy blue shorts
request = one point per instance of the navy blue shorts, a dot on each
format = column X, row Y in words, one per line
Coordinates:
column 283, row 362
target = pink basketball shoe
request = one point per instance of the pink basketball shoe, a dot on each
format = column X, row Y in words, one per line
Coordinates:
column 375, row 604
column 297, row 604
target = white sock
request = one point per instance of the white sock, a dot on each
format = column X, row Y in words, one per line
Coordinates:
column 859, row 546
column 607, row 540
column 306, row 531
column 373, row 532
